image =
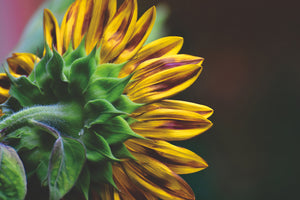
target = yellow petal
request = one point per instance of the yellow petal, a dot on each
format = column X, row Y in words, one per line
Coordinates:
column 103, row 12
column 157, row 178
column 164, row 46
column 4, row 87
column 22, row 63
column 68, row 25
column 164, row 83
column 127, row 189
column 85, row 8
column 118, row 31
column 170, row 124
column 203, row 110
column 106, row 192
column 156, row 65
column 178, row 159
column 142, row 30
column 51, row 31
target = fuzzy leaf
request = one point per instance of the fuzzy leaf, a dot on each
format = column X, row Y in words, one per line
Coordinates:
column 12, row 175
column 116, row 131
column 106, row 88
column 97, row 149
column 98, row 111
column 66, row 162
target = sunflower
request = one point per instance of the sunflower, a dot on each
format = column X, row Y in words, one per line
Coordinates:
column 102, row 95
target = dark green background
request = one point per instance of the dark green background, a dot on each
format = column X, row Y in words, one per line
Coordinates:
column 251, row 79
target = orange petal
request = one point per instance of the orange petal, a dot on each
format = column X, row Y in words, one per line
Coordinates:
column 118, row 31
column 103, row 12
column 51, row 31
column 157, row 178
column 141, row 32
column 178, row 159
column 170, row 124
column 161, row 47
column 127, row 189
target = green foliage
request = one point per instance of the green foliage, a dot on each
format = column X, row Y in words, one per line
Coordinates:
column 12, row 175
column 66, row 162
column 106, row 88
column 97, row 148
column 94, row 107
column 68, row 121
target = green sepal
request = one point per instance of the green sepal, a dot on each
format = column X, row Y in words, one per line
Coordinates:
column 116, row 131
column 12, row 175
column 108, row 70
column 120, row 151
column 26, row 92
column 102, row 173
column 126, row 105
column 39, row 74
column 69, row 58
column 66, row 162
column 59, row 82
column 99, row 111
column 69, row 50
column 55, row 67
column 83, row 183
column 81, row 71
column 97, row 149
column 106, row 88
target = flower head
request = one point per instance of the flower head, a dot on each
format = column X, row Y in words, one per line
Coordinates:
column 98, row 97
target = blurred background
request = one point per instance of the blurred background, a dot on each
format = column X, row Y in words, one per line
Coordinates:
column 250, row 78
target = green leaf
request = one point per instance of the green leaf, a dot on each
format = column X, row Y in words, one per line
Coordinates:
column 116, row 131
column 126, row 105
column 106, row 88
column 66, row 162
column 81, row 71
column 35, row 148
column 84, row 181
column 98, row 111
column 12, row 175
column 97, row 149
column 108, row 70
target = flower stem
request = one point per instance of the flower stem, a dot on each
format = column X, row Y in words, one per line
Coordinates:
column 64, row 117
